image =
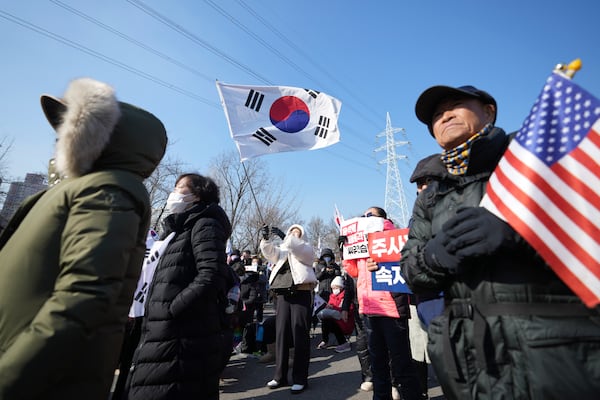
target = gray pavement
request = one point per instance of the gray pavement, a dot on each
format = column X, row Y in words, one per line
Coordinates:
column 332, row 376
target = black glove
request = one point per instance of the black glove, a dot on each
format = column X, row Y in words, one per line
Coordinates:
column 475, row 231
column 278, row 232
column 341, row 240
column 437, row 256
column 265, row 232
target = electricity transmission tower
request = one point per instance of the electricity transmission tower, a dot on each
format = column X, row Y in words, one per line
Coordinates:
column 395, row 200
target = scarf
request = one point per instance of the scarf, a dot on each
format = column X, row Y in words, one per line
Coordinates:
column 456, row 160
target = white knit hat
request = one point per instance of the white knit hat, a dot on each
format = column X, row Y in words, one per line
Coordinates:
column 337, row 281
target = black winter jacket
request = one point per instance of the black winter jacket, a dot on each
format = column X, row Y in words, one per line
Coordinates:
column 325, row 277
column 253, row 289
column 511, row 328
column 182, row 341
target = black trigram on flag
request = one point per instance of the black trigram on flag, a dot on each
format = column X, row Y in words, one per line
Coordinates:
column 139, row 296
column 254, row 100
column 264, row 136
column 322, row 127
column 312, row 93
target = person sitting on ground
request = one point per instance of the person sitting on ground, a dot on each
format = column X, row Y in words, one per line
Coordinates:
column 331, row 318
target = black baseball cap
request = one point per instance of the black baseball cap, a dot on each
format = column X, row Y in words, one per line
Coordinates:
column 430, row 98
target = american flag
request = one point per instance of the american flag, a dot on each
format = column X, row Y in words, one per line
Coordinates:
column 547, row 185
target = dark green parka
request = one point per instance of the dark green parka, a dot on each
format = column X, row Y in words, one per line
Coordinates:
column 511, row 328
column 71, row 256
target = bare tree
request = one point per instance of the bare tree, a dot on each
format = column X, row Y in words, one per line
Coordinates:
column 274, row 209
column 323, row 234
column 251, row 197
column 5, row 146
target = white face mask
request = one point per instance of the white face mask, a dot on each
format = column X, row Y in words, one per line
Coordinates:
column 176, row 203
column 336, row 291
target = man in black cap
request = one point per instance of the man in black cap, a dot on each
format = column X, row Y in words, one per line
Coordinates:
column 511, row 328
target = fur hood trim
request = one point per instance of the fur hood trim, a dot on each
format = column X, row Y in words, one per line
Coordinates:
column 90, row 114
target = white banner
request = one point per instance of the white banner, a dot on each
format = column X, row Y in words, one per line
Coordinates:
column 356, row 230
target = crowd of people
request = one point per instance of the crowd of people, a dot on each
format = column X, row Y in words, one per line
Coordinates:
column 485, row 310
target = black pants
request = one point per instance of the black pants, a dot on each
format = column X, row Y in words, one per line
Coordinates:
column 247, row 315
column 389, row 347
column 293, row 317
column 328, row 326
column 260, row 307
column 362, row 347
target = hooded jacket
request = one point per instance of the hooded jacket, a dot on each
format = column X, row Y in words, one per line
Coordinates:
column 327, row 274
column 182, row 333
column 298, row 252
column 71, row 258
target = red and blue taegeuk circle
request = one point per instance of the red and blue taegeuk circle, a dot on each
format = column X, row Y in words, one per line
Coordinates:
column 289, row 114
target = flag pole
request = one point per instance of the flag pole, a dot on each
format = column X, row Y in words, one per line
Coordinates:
column 253, row 195
column 568, row 71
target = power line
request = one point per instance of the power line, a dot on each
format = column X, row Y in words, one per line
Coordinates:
column 178, row 28
column 253, row 35
column 145, row 46
column 153, row 50
column 132, row 40
column 271, row 48
column 305, row 56
column 122, row 65
column 105, row 58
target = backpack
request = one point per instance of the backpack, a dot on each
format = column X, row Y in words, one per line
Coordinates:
column 233, row 284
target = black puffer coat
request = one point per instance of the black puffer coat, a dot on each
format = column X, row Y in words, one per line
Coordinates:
column 511, row 328
column 181, row 348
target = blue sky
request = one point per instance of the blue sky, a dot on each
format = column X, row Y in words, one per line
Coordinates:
column 376, row 57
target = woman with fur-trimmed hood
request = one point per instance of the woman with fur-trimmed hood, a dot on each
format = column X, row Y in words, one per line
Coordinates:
column 71, row 256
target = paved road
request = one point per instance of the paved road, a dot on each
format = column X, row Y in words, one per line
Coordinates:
column 332, row 376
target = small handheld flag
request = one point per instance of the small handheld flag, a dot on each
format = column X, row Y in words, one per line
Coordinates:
column 273, row 119
column 337, row 217
column 547, row 184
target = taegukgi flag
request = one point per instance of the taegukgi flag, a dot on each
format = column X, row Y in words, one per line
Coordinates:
column 547, row 184
column 273, row 119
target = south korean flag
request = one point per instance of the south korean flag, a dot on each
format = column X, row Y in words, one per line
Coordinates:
column 273, row 119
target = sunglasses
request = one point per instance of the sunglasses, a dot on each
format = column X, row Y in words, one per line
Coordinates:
column 370, row 214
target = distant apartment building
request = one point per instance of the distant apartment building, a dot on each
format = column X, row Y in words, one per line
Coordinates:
column 17, row 192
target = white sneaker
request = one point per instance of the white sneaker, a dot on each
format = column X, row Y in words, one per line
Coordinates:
column 396, row 393
column 366, row 386
column 297, row 388
column 273, row 384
